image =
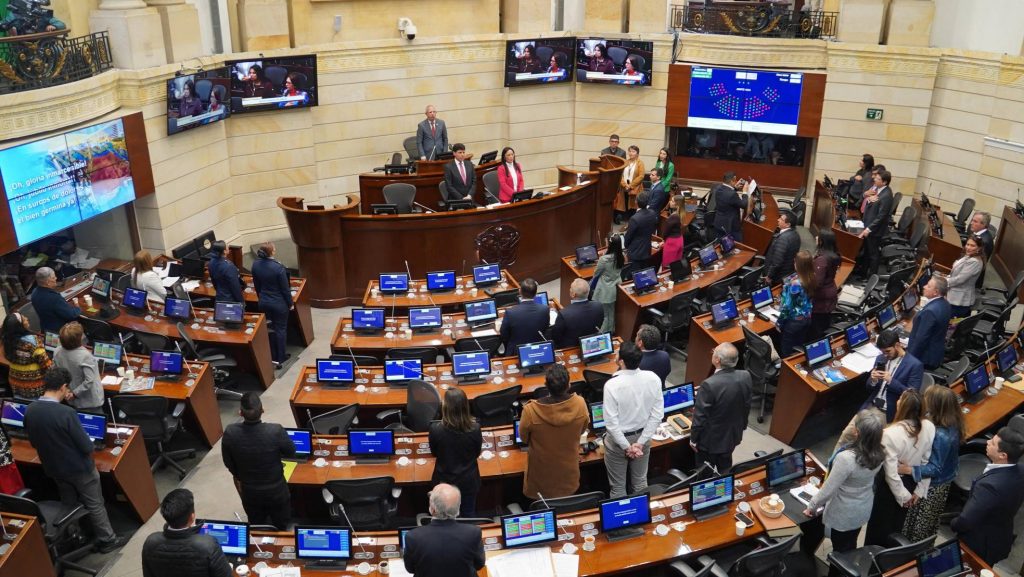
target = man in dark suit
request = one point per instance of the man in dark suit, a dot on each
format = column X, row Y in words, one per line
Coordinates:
column 659, row 196
column 54, row 312
column 928, row 337
column 179, row 550
column 895, row 371
column 526, row 321
column 876, row 222
column 778, row 260
column 459, row 177
column 648, row 338
column 641, row 227
column 579, row 318
column 986, row 522
column 431, row 135
column 728, row 205
column 444, row 548
column 979, row 228
column 613, row 147
column 720, row 410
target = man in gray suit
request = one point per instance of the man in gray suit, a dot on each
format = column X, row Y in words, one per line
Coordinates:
column 431, row 135
column 720, row 410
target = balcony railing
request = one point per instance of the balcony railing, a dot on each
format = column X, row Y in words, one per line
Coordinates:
column 765, row 19
column 50, row 59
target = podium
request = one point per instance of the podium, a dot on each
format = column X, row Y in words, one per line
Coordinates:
column 430, row 167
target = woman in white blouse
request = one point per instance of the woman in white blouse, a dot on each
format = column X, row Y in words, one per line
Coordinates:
column 143, row 277
column 631, row 185
column 963, row 276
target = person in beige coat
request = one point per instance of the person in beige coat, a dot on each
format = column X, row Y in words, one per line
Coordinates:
column 551, row 426
column 632, row 183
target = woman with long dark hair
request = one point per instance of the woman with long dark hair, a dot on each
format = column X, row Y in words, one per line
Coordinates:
column 665, row 163
column 455, row 443
column 510, row 175
column 26, row 357
column 795, row 309
column 826, row 293
column 861, row 180
column 606, row 280
column 963, row 278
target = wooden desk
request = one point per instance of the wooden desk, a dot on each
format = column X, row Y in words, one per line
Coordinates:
column 126, row 474
column 429, row 174
column 970, row 561
column 629, row 307
column 990, row 409
column 758, row 235
column 450, row 301
column 823, row 217
column 609, row 170
column 1008, row 254
column 946, row 248
column 28, row 555
column 568, row 271
column 301, row 317
column 704, row 338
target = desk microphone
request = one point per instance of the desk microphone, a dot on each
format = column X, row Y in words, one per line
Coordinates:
column 407, row 270
column 394, row 297
column 113, row 418
column 542, row 337
column 713, row 469
column 341, row 507
column 426, row 208
column 3, row 527
column 355, row 363
column 542, row 500
column 463, row 267
column 312, row 424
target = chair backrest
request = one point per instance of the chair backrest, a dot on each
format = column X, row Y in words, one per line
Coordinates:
column 359, row 360
column 927, row 380
column 757, row 358
column 917, row 238
column 906, row 219
column 750, row 280
column 893, row 557
column 962, row 334
column 489, row 343
column 152, row 342
column 958, row 369
column 189, row 349
column 1017, row 423
column 123, row 282
column 409, row 144
column 97, row 330
column 506, row 298
column 442, row 187
column 400, row 194
column 702, row 472
column 422, row 405
column 497, row 408
column 110, row 275
column 618, row 55
column 760, row 458
column 336, row 422
column 800, row 195
column 28, row 310
column 276, row 75
column 499, row 244
column 425, row 520
column 146, row 411
column 426, row 355
column 366, row 501
column 896, row 200
column 718, row 291
column 965, row 211
column 595, row 384
column 869, row 288
column 680, row 309
column 491, row 185
column 544, row 54
column 764, row 561
column 203, row 88
column 570, row 503
column 21, row 506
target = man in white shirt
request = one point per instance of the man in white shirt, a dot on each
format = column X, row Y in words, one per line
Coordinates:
column 633, row 409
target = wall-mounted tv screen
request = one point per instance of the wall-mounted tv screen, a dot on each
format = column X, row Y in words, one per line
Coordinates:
column 538, row 61
column 269, row 83
column 54, row 183
column 610, row 61
column 197, row 99
column 763, row 101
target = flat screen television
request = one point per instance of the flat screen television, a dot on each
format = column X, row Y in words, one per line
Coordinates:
column 271, row 83
column 611, row 61
column 539, row 61
column 763, row 101
column 197, row 99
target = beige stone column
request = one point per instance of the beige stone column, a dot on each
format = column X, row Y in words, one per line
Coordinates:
column 648, row 16
column 180, row 22
column 263, row 24
column 604, row 16
column 526, row 16
column 136, row 34
column 910, row 22
column 861, row 21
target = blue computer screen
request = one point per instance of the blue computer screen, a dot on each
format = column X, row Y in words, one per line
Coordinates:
column 224, row 312
column 711, row 493
column 976, row 380
column 486, row 273
column 724, row 311
column 586, row 254
column 425, row 317
column 886, row 317
column 728, row 243
column 166, row 362
column 233, row 537
column 628, row 512
column 323, row 543
column 368, row 319
column 533, row 354
column 541, row 298
column 95, row 425
column 402, row 369
column 335, row 371
column 441, row 281
column 472, row 363
column 13, row 414
column 708, row 255
column 762, row 297
column 745, row 100
column 134, row 298
column 177, row 308
column 529, row 528
column 481, row 311
column 818, row 351
column 857, row 335
column 303, row 441
column 1007, row 358
column 678, row 398
column 395, row 282
column 942, row 561
column 645, row 279
column 376, row 442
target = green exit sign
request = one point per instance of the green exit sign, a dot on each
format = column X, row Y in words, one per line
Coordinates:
column 874, row 114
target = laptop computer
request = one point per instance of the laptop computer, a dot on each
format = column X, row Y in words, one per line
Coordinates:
column 941, row 561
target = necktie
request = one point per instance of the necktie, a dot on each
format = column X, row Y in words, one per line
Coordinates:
column 462, row 171
column 432, row 131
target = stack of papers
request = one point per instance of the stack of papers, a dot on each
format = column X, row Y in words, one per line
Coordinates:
column 860, row 361
column 534, row 562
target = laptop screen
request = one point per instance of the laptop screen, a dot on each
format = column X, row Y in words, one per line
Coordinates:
column 941, row 561
column 1007, row 358
column 586, row 254
column 108, row 352
column 727, row 244
column 541, row 298
column 226, row 312
column 786, row 468
column 678, row 398
column 597, row 416
column 761, row 297
column 303, row 441
column 371, row 442
column 530, row 528
column 165, row 362
column 857, row 335
column 976, row 379
column 645, row 279
column 818, row 351
column 535, row 354
column 441, row 281
column 100, row 287
column 335, row 371
column 711, row 493
column 177, row 308
column 628, row 512
column 323, row 543
column 484, row 310
column 708, row 255
column 724, row 311
column 134, row 298
column 393, row 282
column 429, row 317
column 232, row 536
column 886, row 317
column 596, row 345
column 486, row 274
column 402, row 369
column 363, row 319
column 471, row 363
column 95, row 425
column 910, row 298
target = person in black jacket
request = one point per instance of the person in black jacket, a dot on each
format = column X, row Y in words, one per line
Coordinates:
column 728, row 205
column 179, row 550
column 459, row 176
column 224, row 274
column 656, row 360
column 270, row 279
column 579, row 318
column 659, row 196
column 720, row 410
column 54, row 312
column 444, row 548
column 876, row 222
column 778, row 260
column 524, row 321
column 642, row 225
column 252, row 451
column 66, row 454
column 455, row 442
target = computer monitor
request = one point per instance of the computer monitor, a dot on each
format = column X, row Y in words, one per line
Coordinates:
column 818, row 352
column 403, row 534
column 886, row 317
column 441, row 281
column 134, row 299
column 728, row 243
column 586, row 254
column 192, row 267
column 679, row 270
column 711, row 497
column 425, row 319
column 724, row 312
column 595, row 348
column 644, row 280
column 785, row 469
column 165, row 362
column 535, row 356
column 857, row 335
column 393, row 282
column 486, row 274
column 383, row 208
column 708, row 255
column 762, row 297
column 515, row 433
column 597, row 416
column 471, row 366
column 460, row 204
column 177, row 308
column 368, row 320
column 1006, row 359
column 51, row 341
column 941, row 561
column 233, row 536
column 107, row 352
column 323, row 543
column 13, row 414
column 678, row 398
column 100, row 287
column 337, row 372
column 229, row 313
column 303, row 441
column 522, row 195
column 481, row 312
column 541, row 298
column 402, row 370
column 910, row 299
column 95, row 425
column 371, row 443
column 627, row 515
column 529, row 528
column 975, row 382
column 488, row 157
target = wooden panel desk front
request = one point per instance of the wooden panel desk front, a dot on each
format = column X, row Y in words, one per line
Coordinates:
column 301, row 317
column 947, row 248
column 426, row 179
column 419, row 296
column 28, row 555
column 569, row 271
column 126, row 474
column 704, row 338
column 758, row 235
column 1008, row 254
column 823, row 217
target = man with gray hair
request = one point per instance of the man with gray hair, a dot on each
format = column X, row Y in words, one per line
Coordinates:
column 927, row 341
column 444, row 548
column 54, row 312
column 979, row 228
column 720, row 410
column 579, row 318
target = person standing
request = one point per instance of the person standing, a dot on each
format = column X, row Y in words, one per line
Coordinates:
column 613, row 147
column 444, row 548
column 876, row 222
column 86, row 392
column 252, row 450
column 672, row 233
column 455, row 442
column 551, row 426
column 10, row 477
column 826, row 293
column 795, row 304
column 431, row 135
column 860, row 181
column 963, row 278
column 720, row 411
column 668, row 169
column 607, row 274
column 658, row 193
column 642, row 226
column 656, row 360
column 978, row 228
column 525, row 322
column 459, row 176
column 52, row 309
column 927, row 341
column 728, row 204
column 895, row 371
column 27, row 360
column 579, row 318
column 633, row 409
column 510, row 176
column 144, row 278
column 631, row 184
column 179, row 550
column 224, row 274
column 779, row 258
column 65, row 451
column 274, row 291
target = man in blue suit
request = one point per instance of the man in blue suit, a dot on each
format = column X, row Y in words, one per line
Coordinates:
column 895, row 371
column 224, row 274
column 928, row 337
column 659, row 196
column 728, row 206
column 579, row 318
column 648, row 338
column 54, row 312
column 986, row 522
column 525, row 322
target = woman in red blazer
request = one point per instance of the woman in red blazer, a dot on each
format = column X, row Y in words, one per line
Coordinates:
column 510, row 175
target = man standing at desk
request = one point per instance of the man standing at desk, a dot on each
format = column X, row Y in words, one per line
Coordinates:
column 927, row 341
column 179, row 549
column 54, row 312
column 459, row 177
column 579, row 318
column 728, row 205
column 224, row 274
column 779, row 260
column 659, row 196
column 720, row 410
column 525, row 322
column 641, row 227
column 895, row 371
column 444, row 548
column 431, row 135
column 648, row 338
column 613, row 147
column 633, row 409
column 876, row 222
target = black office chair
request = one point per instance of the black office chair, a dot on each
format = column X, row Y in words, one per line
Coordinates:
column 595, row 384
column 442, row 188
column 370, row 504
column 714, row 293
column 569, row 503
column 359, row 360
column 992, row 327
column 149, row 342
column 964, row 340
column 675, row 324
column 902, row 231
column 855, row 308
column 409, row 144
column 760, row 458
column 506, row 298
column 28, row 310
column 747, row 281
column 336, row 421
column 122, row 282
column 158, row 426
column 951, row 372
column 707, row 568
column 62, row 529
column 492, row 187
column 497, row 408
column 675, row 480
column 187, row 249
column 757, row 360
column 110, row 275
column 973, row 461
column 400, row 194
column 875, row 560
column 422, row 405
column 960, row 218
column 426, row 355
column 996, row 298
column 197, row 302
column 218, row 359
column 489, row 343
column 97, row 330
column 771, row 559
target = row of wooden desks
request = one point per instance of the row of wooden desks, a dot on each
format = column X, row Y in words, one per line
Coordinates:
column 449, row 301
column 301, row 317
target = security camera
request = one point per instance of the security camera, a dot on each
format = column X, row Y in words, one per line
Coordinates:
column 410, row 32
column 407, row 28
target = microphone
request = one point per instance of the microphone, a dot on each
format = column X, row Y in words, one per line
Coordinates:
column 542, row 337
column 408, row 272
column 713, row 469
column 463, row 267
column 354, row 361
column 543, row 500
column 394, row 297
column 426, row 208
column 3, row 527
column 312, row 425
column 341, row 507
column 113, row 418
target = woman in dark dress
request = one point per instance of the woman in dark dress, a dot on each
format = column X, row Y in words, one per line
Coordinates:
column 826, row 296
column 455, row 442
column 189, row 104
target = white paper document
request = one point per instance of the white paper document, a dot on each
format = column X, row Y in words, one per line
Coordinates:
column 534, row 562
column 397, row 568
column 565, row 565
column 857, row 363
